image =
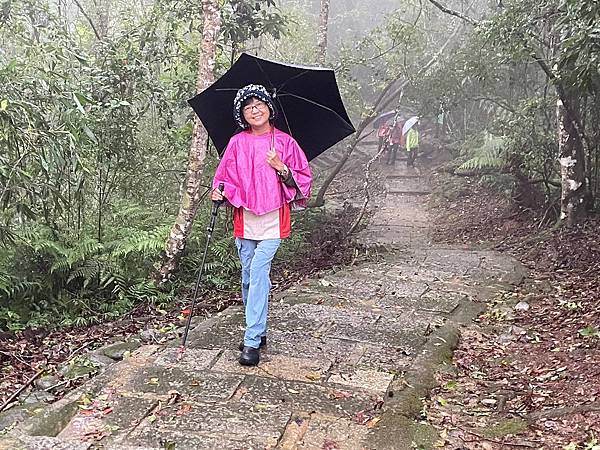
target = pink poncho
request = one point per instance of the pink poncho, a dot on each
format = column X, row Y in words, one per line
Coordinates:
column 250, row 182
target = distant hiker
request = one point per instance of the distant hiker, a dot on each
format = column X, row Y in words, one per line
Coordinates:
column 412, row 145
column 396, row 139
column 382, row 133
column 439, row 123
column 265, row 174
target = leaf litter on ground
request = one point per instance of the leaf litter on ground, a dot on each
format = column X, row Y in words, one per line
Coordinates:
column 538, row 363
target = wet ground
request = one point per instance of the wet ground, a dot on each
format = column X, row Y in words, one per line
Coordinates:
column 344, row 351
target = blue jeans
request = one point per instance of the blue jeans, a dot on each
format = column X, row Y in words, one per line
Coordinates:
column 256, row 258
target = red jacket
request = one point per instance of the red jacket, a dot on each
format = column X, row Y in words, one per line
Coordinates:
column 396, row 136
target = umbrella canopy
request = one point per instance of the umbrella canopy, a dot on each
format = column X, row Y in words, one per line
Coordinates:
column 409, row 124
column 382, row 118
column 308, row 102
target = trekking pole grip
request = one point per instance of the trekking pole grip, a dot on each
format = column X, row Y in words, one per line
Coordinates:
column 215, row 208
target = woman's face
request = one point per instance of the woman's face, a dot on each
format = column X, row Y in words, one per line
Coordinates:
column 256, row 113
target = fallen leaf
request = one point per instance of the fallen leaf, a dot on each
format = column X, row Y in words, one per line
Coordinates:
column 330, row 445
column 337, row 395
column 263, row 407
column 184, row 409
column 313, row 376
column 373, row 422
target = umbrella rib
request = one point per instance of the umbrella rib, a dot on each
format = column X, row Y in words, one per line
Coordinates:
column 293, row 78
column 265, row 74
column 284, row 116
column 319, row 105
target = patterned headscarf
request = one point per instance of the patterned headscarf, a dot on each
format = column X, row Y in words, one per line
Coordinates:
column 251, row 90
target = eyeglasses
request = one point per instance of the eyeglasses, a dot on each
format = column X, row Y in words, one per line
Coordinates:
column 258, row 106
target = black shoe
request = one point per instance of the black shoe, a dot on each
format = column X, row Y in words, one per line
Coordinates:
column 249, row 356
column 263, row 342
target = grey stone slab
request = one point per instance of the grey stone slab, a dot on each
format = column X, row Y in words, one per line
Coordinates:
column 385, row 359
column 406, row 332
column 312, row 345
column 161, row 439
column 190, row 359
column 436, row 301
column 231, row 422
column 311, row 317
column 41, row 443
column 318, row 431
column 372, row 380
column 106, row 417
column 121, row 446
column 325, row 398
column 276, row 365
column 192, row 385
column 453, row 260
column 225, row 332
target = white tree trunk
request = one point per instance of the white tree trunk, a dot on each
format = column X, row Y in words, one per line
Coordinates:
column 572, row 165
column 191, row 196
column 322, row 34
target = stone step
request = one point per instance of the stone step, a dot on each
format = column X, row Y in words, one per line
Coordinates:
column 408, row 193
column 402, row 176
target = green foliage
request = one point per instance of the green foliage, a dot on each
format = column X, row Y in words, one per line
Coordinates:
column 242, row 20
column 490, row 155
column 94, row 136
column 75, row 282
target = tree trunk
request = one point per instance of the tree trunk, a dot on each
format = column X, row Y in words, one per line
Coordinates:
column 191, row 196
column 572, row 164
column 322, row 33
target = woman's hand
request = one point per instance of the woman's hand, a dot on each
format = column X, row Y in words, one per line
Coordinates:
column 274, row 161
column 217, row 196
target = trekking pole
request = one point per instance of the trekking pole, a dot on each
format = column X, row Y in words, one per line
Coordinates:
column 209, row 231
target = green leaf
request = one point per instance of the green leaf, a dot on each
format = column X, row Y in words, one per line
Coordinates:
column 589, row 331
column 90, row 134
column 78, row 103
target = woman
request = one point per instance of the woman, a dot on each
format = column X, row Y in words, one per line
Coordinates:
column 265, row 175
column 396, row 140
column 382, row 133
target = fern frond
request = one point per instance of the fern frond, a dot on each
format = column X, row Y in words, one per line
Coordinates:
column 145, row 243
column 7, row 237
column 489, row 156
column 88, row 271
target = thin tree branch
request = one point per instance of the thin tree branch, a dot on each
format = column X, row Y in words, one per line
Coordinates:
column 88, row 19
column 422, row 70
column 452, row 12
column 10, row 399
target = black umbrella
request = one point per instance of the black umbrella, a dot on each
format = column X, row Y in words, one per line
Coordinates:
column 308, row 102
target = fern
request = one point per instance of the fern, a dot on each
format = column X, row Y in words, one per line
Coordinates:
column 7, row 237
column 87, row 271
column 491, row 155
column 144, row 243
